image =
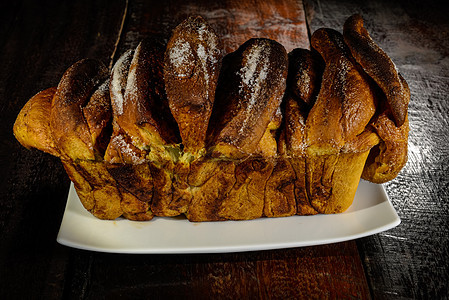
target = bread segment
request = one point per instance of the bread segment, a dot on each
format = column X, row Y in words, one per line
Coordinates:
column 69, row 128
column 378, row 65
column 250, row 90
column 346, row 101
column 191, row 68
column 32, row 126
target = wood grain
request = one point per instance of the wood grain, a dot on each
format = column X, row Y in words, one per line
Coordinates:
column 234, row 21
column 329, row 271
column 39, row 41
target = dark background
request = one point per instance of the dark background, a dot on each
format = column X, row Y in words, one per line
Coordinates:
column 40, row 39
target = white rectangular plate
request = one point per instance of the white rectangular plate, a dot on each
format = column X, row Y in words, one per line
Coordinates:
column 370, row 213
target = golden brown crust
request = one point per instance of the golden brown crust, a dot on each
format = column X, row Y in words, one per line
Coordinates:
column 390, row 156
column 135, row 179
column 117, row 85
column 268, row 145
column 120, row 148
column 98, row 116
column 68, row 125
column 250, row 90
column 363, row 142
column 302, row 187
column 134, row 209
column 294, row 130
column 181, row 190
column 95, row 187
column 142, row 123
column 345, row 102
column 32, row 126
column 333, row 179
column 245, row 200
column 146, row 115
column 102, row 196
column 191, row 69
column 211, row 180
column 379, row 66
column 304, row 75
column 162, row 202
column 304, row 79
column 279, row 195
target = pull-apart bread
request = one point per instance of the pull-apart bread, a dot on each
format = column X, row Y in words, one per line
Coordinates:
column 182, row 129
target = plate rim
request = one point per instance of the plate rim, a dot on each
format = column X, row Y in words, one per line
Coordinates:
column 63, row 238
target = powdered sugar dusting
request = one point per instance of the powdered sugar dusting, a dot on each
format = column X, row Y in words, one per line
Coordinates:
column 207, row 56
column 103, row 88
column 118, row 81
column 180, row 54
column 296, row 129
column 251, row 80
column 131, row 84
column 202, row 55
column 208, row 36
column 304, row 84
column 126, row 149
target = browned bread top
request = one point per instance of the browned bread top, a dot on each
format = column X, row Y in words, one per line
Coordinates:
column 379, row 66
column 304, row 75
column 68, row 126
column 345, row 103
column 146, row 116
column 258, row 156
column 32, row 126
column 388, row 157
column 98, row 115
column 192, row 64
column 303, row 83
column 143, row 124
column 250, row 90
column 120, row 148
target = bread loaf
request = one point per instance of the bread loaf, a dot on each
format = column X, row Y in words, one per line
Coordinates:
column 181, row 130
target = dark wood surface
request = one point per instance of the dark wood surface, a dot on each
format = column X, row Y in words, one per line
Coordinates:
column 38, row 41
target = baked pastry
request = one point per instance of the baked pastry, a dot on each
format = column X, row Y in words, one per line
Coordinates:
column 181, row 130
column 250, row 91
column 378, row 66
column 32, row 126
column 343, row 109
column 305, row 72
column 68, row 124
column 389, row 157
column 191, row 68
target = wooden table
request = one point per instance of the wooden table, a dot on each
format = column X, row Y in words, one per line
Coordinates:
column 39, row 41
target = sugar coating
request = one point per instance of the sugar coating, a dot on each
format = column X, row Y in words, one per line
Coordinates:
column 251, row 80
column 119, row 73
column 98, row 94
column 202, row 55
column 297, row 140
column 179, row 55
column 126, row 149
column 206, row 57
column 131, row 83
